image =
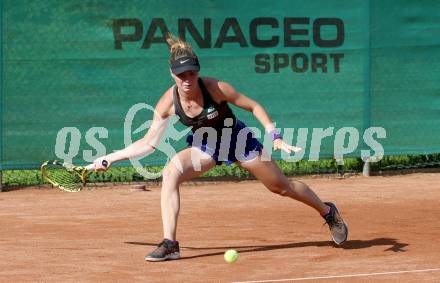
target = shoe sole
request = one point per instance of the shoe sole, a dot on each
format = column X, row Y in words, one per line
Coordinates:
column 172, row 256
column 345, row 224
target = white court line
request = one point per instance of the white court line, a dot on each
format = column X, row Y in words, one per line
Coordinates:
column 344, row 276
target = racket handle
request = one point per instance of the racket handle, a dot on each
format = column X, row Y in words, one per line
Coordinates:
column 91, row 167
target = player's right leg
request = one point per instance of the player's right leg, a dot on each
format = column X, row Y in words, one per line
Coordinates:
column 185, row 165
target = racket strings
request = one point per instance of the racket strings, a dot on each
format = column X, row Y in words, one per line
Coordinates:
column 66, row 180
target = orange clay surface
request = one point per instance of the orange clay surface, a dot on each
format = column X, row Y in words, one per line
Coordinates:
column 102, row 234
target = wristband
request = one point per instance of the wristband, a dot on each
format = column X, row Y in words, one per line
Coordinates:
column 274, row 134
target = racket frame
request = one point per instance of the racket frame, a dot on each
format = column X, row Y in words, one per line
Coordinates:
column 80, row 171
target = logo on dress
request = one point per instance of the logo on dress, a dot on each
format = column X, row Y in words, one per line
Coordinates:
column 212, row 113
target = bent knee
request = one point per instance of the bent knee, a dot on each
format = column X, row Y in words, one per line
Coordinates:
column 280, row 188
column 283, row 192
column 170, row 173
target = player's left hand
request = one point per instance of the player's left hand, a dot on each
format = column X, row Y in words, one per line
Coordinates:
column 280, row 144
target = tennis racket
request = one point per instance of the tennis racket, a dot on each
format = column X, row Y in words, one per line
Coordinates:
column 67, row 177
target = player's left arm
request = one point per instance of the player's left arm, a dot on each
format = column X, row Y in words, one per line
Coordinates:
column 240, row 100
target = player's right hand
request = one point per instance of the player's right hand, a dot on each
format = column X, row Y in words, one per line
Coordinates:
column 101, row 162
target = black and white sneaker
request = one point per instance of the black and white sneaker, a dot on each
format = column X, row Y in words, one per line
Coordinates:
column 166, row 250
column 338, row 228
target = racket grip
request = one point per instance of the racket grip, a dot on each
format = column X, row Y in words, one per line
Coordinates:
column 91, row 167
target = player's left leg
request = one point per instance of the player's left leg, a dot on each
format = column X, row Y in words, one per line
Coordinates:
column 273, row 178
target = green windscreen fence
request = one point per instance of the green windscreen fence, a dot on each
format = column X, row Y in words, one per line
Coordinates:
column 80, row 78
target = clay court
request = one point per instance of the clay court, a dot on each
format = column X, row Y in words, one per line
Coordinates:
column 102, row 234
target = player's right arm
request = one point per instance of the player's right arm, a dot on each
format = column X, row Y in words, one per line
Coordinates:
column 148, row 143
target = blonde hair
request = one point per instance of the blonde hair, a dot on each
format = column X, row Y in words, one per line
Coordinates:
column 178, row 48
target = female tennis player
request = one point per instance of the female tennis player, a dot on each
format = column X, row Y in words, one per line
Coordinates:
column 202, row 104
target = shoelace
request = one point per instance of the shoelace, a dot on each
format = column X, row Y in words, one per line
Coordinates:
column 163, row 243
column 332, row 221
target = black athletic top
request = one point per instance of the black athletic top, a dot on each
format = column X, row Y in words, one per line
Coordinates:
column 212, row 115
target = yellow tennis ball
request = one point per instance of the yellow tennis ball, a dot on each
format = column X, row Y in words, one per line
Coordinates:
column 231, row 256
